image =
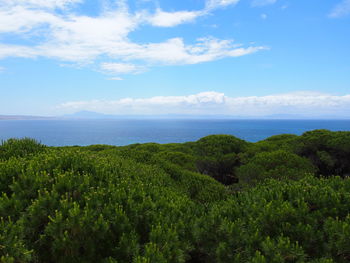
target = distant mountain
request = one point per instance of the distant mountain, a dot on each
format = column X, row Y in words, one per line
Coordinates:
column 24, row 117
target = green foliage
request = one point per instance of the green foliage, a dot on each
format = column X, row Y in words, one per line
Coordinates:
column 218, row 145
column 218, row 156
column 19, row 148
column 12, row 248
column 281, row 165
column 285, row 142
column 185, row 161
column 328, row 151
column 279, row 222
column 98, row 147
column 146, row 203
column 75, row 207
column 221, row 168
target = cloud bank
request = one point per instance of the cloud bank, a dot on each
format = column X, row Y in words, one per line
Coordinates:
column 54, row 29
column 211, row 103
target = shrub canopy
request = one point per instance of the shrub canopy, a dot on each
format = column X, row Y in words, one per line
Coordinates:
column 169, row 203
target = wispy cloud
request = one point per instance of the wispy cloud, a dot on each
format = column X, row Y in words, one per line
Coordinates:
column 41, row 3
column 212, row 4
column 341, row 9
column 303, row 103
column 120, row 68
column 257, row 3
column 115, row 78
column 170, row 19
column 175, row 52
column 263, row 16
column 86, row 40
column 17, row 51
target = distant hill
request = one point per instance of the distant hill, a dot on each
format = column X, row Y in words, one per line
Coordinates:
column 24, row 117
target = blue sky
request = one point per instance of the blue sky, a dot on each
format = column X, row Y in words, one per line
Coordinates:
column 232, row 57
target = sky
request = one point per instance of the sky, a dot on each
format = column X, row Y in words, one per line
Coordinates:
column 196, row 57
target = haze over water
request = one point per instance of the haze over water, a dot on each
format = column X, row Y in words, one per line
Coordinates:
column 124, row 132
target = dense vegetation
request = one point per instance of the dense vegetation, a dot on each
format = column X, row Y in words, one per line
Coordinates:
column 220, row 199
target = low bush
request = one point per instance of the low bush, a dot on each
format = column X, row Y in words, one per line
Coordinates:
column 19, row 148
column 156, row 203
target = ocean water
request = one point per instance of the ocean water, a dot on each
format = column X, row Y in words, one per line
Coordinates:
column 123, row 132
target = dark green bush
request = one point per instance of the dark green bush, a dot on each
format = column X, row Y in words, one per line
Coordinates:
column 185, row 161
column 279, row 165
column 214, row 145
column 148, row 203
column 279, row 222
column 19, row 148
column 217, row 156
column 328, row 151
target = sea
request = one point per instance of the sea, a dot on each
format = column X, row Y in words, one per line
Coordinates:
column 124, row 132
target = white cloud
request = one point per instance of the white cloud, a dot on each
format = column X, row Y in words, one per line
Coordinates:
column 40, row 3
column 198, row 103
column 170, row 19
column 120, row 68
column 303, row 103
column 84, row 40
column 2, row 69
column 19, row 19
column 212, row 4
column 257, row 3
column 18, row 51
column 342, row 9
column 175, row 52
column 115, row 78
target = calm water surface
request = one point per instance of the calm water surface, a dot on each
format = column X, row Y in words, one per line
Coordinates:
column 123, row 132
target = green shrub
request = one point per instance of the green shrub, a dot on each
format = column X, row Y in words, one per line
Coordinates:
column 328, row 151
column 19, row 148
column 279, row 165
column 217, row 156
column 147, row 203
column 290, row 221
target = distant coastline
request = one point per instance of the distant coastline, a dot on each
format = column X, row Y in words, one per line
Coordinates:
column 25, row 117
column 89, row 115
